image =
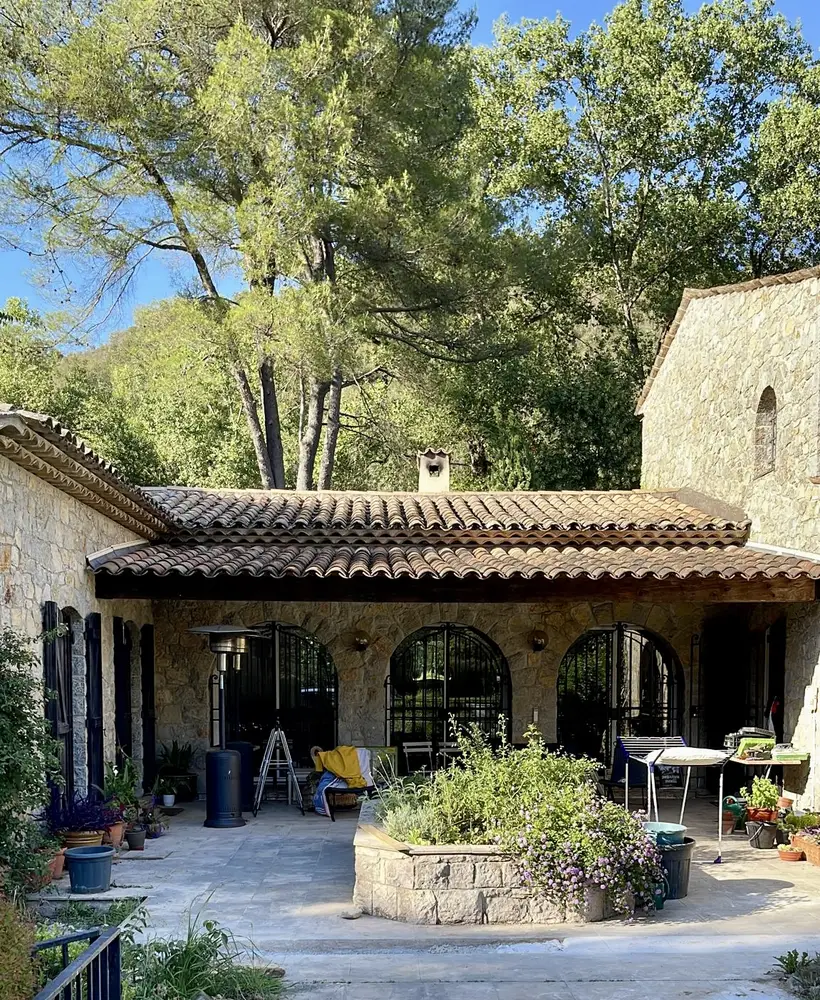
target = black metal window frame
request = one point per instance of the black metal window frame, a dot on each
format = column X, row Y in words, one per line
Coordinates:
column 427, row 684
column 290, row 674
column 618, row 680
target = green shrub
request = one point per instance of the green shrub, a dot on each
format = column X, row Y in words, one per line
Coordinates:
column 25, row 852
column 28, row 757
column 540, row 808
column 16, row 940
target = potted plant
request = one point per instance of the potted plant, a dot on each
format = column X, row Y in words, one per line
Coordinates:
column 120, row 792
column 175, row 764
column 134, row 828
column 80, row 822
column 788, row 852
column 154, row 825
column 761, row 800
column 165, row 789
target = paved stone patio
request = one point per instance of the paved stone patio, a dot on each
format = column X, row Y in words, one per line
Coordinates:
column 284, row 880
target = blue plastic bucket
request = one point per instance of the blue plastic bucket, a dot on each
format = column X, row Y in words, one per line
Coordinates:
column 89, row 868
column 665, row 834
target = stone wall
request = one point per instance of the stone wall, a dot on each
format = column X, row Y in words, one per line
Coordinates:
column 699, row 432
column 45, row 537
column 459, row 884
column 801, row 719
column 184, row 665
column 699, row 417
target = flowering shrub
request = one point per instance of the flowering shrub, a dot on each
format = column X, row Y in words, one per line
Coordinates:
column 540, row 808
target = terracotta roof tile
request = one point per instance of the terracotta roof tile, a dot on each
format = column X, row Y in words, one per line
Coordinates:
column 437, row 561
column 240, row 512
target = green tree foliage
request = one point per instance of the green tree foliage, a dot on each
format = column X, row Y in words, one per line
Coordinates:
column 315, row 149
column 476, row 249
column 634, row 147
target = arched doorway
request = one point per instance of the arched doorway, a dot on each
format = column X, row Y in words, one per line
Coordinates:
column 442, row 671
column 288, row 674
column 621, row 680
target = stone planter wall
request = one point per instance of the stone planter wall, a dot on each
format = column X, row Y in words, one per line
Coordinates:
column 458, row 884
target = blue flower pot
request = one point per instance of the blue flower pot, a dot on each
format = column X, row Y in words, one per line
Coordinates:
column 89, row 868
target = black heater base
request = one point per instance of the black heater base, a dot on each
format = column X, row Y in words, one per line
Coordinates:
column 223, row 789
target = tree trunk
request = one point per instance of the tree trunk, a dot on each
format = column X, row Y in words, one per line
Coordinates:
column 254, row 426
column 273, row 426
column 334, row 406
column 311, row 432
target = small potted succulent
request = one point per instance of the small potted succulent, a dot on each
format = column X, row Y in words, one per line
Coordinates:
column 154, row 825
column 80, row 822
column 135, row 827
column 761, row 800
column 788, row 852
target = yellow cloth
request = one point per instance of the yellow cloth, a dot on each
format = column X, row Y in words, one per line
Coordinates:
column 344, row 763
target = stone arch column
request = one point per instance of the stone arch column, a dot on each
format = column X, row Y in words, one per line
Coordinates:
column 79, row 742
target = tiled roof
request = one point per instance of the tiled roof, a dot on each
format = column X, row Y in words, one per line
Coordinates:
column 643, row 514
column 437, row 561
column 769, row 281
column 45, row 448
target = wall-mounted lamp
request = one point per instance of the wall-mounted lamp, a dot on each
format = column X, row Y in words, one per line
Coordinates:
column 361, row 640
column 538, row 641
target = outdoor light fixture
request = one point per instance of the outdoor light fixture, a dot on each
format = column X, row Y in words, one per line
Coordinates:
column 538, row 641
column 223, row 789
column 361, row 640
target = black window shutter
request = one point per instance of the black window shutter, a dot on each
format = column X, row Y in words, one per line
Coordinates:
column 94, row 702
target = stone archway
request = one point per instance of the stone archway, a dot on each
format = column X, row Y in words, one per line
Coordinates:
column 443, row 672
column 617, row 680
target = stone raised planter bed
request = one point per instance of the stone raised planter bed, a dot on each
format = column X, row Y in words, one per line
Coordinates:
column 450, row 884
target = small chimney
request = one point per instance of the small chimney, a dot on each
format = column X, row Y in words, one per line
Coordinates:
column 434, row 471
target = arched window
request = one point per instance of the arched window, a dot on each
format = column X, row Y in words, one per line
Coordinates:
column 442, row 671
column 617, row 681
column 766, row 432
column 286, row 674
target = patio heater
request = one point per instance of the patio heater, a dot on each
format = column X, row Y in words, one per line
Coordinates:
column 223, row 788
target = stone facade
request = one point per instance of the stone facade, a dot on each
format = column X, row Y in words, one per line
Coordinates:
column 458, row 884
column 184, row 664
column 45, row 537
column 699, row 431
column 700, row 414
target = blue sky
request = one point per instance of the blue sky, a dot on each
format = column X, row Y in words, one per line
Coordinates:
column 154, row 281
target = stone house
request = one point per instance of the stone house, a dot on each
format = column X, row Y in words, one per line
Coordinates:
column 687, row 607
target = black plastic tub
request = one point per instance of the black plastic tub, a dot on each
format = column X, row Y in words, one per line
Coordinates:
column 762, row 835
column 676, row 861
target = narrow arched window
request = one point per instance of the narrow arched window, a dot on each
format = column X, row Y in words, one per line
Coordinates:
column 766, row 432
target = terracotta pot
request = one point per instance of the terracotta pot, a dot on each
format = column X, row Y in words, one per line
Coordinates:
column 57, row 864
column 794, row 855
column 755, row 815
column 784, row 802
column 83, row 838
column 728, row 823
column 114, row 834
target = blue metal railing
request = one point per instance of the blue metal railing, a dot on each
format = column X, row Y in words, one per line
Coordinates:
column 93, row 975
